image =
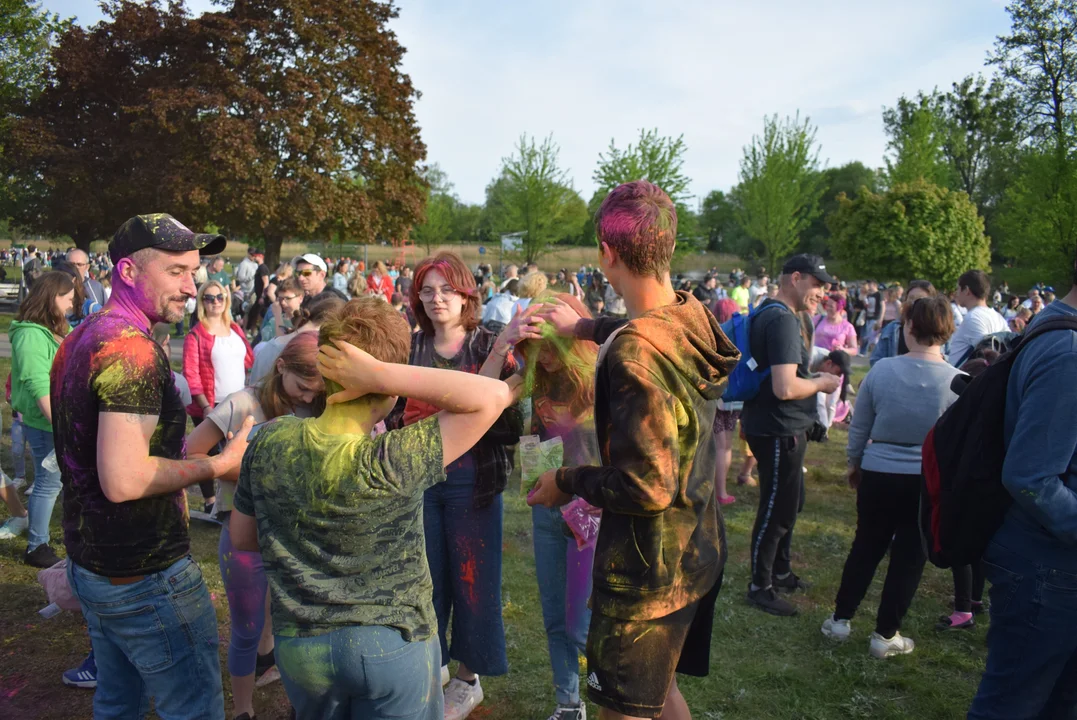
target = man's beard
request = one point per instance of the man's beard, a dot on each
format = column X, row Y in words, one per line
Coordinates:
column 170, row 315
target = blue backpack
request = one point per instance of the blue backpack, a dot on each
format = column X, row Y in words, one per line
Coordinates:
column 746, row 377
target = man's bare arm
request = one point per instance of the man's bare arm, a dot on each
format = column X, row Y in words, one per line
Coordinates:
column 127, row 471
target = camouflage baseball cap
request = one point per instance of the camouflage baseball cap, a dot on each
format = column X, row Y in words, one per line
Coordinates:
column 162, row 231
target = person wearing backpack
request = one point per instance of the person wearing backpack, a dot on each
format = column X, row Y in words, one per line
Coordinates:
column 899, row 402
column 776, row 421
column 1031, row 560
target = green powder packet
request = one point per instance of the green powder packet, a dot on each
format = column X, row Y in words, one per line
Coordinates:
column 538, row 457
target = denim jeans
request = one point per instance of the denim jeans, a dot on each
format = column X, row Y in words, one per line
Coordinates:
column 156, row 637
column 1032, row 642
column 18, row 445
column 463, row 547
column 46, row 487
column 362, row 672
column 564, row 579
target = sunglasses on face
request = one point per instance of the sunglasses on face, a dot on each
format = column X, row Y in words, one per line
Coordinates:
column 305, row 273
column 207, row 298
column 428, row 293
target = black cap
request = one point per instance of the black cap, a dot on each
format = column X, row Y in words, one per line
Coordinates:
column 164, row 232
column 841, row 359
column 807, row 265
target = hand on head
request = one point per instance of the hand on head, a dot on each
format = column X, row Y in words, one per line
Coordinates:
column 561, row 315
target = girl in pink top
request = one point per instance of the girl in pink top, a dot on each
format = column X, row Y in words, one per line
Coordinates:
column 833, row 331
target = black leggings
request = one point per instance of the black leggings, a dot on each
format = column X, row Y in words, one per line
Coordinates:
column 887, row 507
column 968, row 586
column 207, row 487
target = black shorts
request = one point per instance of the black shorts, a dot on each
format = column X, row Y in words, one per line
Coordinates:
column 630, row 663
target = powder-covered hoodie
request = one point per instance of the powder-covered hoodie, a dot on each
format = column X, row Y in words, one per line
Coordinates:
column 661, row 544
column 33, row 347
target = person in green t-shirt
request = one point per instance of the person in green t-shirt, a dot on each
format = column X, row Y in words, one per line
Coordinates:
column 218, row 273
column 337, row 516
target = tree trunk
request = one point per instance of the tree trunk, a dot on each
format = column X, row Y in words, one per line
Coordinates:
column 272, row 250
column 83, row 236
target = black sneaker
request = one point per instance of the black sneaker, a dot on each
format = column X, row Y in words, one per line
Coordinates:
column 790, row 583
column 263, row 664
column 767, row 600
column 41, row 557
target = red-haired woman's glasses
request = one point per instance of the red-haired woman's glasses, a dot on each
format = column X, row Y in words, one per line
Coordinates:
column 429, row 293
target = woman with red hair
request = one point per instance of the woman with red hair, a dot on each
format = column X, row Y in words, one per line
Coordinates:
column 462, row 517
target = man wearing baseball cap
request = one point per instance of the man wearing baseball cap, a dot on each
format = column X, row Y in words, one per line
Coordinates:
column 776, row 422
column 119, row 425
column 311, row 271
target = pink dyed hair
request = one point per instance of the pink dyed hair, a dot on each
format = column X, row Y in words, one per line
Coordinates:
column 639, row 221
column 724, row 309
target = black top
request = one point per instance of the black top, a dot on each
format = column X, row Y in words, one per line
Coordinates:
column 261, row 278
column 777, row 338
column 108, row 365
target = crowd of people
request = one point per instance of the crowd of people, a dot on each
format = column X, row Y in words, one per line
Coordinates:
column 354, row 433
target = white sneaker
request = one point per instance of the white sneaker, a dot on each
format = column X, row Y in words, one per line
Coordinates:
column 29, row 490
column 882, row 648
column 837, row 629
column 569, row 712
column 461, row 698
column 14, row 527
column 445, row 677
column 18, row 482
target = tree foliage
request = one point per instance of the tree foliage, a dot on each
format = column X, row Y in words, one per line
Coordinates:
column 914, row 230
column 914, row 141
column 26, row 34
column 849, row 179
column 270, row 119
column 780, row 185
column 656, row 158
column 532, row 195
column 718, row 222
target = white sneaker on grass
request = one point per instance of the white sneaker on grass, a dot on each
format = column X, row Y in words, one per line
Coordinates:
column 29, row 490
column 445, row 677
column 18, row 482
column 882, row 648
column 837, row 629
column 14, row 527
column 461, row 698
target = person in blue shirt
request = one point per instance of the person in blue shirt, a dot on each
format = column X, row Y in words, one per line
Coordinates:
column 1031, row 561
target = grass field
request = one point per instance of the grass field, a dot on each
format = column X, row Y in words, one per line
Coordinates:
column 762, row 666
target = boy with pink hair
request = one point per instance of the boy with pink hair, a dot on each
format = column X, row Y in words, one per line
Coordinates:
column 661, row 545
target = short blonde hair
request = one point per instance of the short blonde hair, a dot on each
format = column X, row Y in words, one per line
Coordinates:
column 201, row 306
column 532, row 285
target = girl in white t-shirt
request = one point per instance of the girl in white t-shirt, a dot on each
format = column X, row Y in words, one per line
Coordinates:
column 294, row 384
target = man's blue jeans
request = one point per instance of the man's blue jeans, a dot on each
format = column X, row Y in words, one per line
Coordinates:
column 362, row 672
column 156, row 637
column 1032, row 643
column 46, row 487
column 564, row 579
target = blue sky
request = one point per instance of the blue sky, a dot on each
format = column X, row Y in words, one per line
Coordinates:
column 589, row 71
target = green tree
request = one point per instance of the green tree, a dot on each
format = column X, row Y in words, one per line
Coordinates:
column 441, row 204
column 916, row 230
column 655, row 158
column 27, row 32
column 914, row 132
column 532, row 195
column 1038, row 60
column 466, row 221
column 718, row 222
column 848, row 179
column 780, row 185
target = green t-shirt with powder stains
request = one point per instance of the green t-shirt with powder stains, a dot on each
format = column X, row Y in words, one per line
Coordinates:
column 340, row 525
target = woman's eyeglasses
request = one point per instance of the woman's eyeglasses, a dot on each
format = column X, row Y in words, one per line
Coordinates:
column 207, row 298
column 428, row 293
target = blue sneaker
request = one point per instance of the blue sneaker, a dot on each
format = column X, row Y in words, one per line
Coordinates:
column 84, row 676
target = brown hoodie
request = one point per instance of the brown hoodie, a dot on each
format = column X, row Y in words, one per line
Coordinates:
column 661, row 543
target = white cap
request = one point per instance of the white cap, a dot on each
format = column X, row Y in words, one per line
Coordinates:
column 312, row 259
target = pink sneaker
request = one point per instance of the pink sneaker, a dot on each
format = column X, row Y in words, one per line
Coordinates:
column 727, row 500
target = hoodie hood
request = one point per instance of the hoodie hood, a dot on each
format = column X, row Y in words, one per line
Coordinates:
column 18, row 326
column 689, row 337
